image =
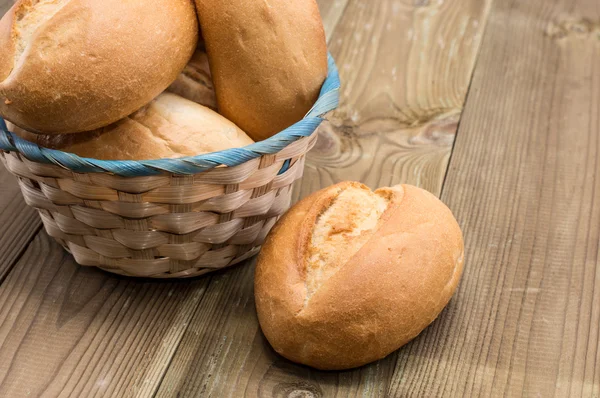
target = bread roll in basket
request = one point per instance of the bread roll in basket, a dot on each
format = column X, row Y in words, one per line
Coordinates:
column 166, row 218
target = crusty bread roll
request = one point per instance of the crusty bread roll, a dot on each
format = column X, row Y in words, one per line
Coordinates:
column 168, row 127
column 76, row 65
column 268, row 60
column 348, row 276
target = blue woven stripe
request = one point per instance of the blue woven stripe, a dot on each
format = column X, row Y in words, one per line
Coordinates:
column 328, row 100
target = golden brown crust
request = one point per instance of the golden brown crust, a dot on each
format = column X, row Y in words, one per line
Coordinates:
column 268, row 60
column 7, row 45
column 92, row 62
column 168, row 127
column 386, row 294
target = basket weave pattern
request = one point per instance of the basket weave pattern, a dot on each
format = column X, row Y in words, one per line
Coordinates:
column 167, row 218
column 167, row 225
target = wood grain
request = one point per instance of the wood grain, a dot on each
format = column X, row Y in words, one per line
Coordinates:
column 400, row 104
column 18, row 222
column 405, row 68
column 67, row 330
column 524, row 184
column 224, row 354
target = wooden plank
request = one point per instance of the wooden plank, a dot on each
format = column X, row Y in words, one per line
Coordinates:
column 524, row 183
column 405, row 70
column 224, row 354
column 74, row 331
column 401, row 97
column 18, row 222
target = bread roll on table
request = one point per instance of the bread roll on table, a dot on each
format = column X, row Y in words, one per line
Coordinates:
column 168, row 127
column 348, row 276
column 75, row 65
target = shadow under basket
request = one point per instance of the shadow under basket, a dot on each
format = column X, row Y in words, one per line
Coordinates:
column 167, row 218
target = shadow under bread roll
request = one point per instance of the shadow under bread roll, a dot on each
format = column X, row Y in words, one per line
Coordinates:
column 168, row 127
column 76, row 65
column 347, row 276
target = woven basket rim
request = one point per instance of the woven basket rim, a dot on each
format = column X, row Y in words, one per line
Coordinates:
column 328, row 100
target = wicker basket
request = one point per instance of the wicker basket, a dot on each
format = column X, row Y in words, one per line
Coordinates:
column 168, row 218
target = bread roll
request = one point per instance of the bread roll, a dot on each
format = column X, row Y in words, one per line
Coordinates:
column 76, row 65
column 348, row 276
column 168, row 127
column 268, row 60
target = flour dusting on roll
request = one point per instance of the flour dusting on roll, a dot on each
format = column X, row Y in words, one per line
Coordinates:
column 341, row 230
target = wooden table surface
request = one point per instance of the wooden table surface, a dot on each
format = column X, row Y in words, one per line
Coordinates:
column 492, row 104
